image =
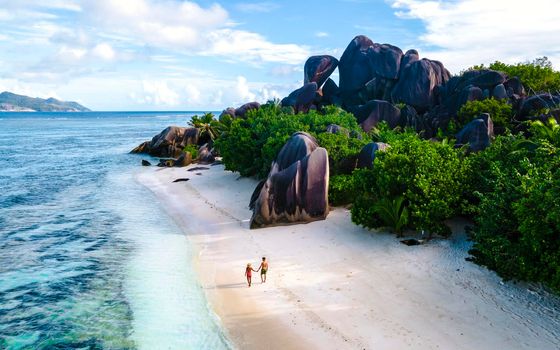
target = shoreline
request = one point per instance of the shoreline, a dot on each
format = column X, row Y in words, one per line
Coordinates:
column 335, row 285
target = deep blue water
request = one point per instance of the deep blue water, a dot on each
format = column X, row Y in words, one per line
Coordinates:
column 88, row 259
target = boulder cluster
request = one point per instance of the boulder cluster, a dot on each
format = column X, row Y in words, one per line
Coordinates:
column 378, row 82
column 170, row 145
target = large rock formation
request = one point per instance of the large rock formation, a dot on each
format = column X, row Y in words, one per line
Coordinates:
column 303, row 98
column 318, row 69
column 367, row 154
column 240, row 111
column 378, row 111
column 368, row 71
column 477, row 133
column 538, row 102
column 354, row 69
column 417, row 83
column 296, row 189
column 169, row 143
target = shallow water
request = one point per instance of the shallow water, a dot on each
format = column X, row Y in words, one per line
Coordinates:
column 88, row 259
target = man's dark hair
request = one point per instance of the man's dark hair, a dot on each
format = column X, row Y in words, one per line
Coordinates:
column 264, row 258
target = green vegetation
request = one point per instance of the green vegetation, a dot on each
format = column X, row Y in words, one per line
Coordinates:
column 393, row 213
column 500, row 111
column 537, row 76
column 419, row 181
column 518, row 218
column 252, row 143
column 192, row 149
column 209, row 128
column 341, row 190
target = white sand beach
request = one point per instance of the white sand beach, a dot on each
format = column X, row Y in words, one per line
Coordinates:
column 334, row 285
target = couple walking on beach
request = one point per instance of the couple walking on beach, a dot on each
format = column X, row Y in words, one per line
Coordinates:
column 263, row 268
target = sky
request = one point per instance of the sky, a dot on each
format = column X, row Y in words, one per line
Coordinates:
column 207, row 55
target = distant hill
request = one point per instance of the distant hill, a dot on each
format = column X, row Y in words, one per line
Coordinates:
column 18, row 103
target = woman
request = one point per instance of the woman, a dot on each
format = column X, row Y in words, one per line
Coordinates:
column 248, row 273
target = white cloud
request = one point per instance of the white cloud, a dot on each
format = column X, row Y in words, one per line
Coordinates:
column 158, row 93
column 252, row 7
column 321, row 34
column 166, row 23
column 467, row 32
column 253, row 47
column 189, row 28
column 243, row 91
column 192, row 95
column 103, row 51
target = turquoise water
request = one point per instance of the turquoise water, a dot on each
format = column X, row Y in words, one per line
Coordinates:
column 88, row 259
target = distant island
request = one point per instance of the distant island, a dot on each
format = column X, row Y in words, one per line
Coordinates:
column 10, row 102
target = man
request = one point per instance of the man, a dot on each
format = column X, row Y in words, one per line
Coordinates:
column 263, row 268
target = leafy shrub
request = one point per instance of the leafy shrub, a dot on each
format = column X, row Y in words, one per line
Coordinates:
column 341, row 189
column 393, row 213
column 193, row 149
column 343, row 151
column 251, row 144
column 536, row 76
column 428, row 175
column 517, row 224
column 500, row 112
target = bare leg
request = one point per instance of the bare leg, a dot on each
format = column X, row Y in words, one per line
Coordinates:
column 249, row 281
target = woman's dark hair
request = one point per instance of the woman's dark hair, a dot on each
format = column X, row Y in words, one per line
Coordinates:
column 264, row 258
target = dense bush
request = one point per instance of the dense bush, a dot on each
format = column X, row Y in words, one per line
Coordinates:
column 517, row 223
column 251, row 144
column 500, row 112
column 341, row 190
column 536, row 76
column 427, row 175
column 343, row 151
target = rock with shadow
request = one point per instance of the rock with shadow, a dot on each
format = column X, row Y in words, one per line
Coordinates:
column 318, row 69
column 296, row 189
column 169, row 143
column 477, row 134
column 367, row 154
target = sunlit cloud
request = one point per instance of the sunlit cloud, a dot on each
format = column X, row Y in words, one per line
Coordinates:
column 467, row 32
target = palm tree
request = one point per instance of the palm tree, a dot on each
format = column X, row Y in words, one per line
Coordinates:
column 208, row 127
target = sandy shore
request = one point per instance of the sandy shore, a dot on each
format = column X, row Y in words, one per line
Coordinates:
column 334, row 285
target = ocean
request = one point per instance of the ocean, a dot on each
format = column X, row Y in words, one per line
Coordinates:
column 88, row 258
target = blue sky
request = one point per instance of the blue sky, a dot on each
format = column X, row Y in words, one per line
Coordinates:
column 207, row 55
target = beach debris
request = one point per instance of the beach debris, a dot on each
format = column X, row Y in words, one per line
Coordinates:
column 296, row 189
column 412, row 241
column 146, row 163
column 181, row 179
column 196, row 168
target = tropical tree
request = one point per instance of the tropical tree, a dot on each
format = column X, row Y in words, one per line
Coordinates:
column 208, row 127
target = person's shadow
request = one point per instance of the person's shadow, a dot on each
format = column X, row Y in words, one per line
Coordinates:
column 229, row 285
